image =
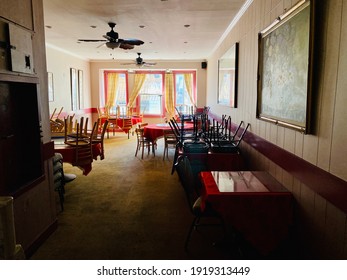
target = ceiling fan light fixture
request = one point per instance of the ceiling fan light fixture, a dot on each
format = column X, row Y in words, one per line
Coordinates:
column 112, row 45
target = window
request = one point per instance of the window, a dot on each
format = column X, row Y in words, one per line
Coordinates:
column 183, row 100
column 121, row 94
column 151, row 95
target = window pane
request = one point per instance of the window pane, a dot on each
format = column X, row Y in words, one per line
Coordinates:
column 151, row 104
column 121, row 99
column 121, row 91
column 183, row 102
column 151, row 95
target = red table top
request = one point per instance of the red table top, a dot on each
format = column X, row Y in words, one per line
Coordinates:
column 254, row 203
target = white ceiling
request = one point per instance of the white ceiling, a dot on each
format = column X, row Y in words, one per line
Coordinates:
column 164, row 33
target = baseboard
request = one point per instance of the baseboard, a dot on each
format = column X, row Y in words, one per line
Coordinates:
column 41, row 239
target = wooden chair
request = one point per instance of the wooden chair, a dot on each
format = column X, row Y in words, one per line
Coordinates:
column 83, row 147
column 78, row 130
column 72, row 133
column 142, row 125
column 84, row 152
column 127, row 125
column 170, row 140
column 99, row 136
column 142, row 142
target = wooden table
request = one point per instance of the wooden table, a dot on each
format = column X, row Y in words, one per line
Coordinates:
column 253, row 203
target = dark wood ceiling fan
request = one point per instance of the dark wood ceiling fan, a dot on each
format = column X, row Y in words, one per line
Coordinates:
column 139, row 62
column 113, row 41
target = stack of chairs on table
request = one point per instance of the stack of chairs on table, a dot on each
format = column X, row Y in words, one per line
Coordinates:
column 82, row 140
column 116, row 121
column 57, row 124
column 127, row 125
column 216, row 137
column 105, row 114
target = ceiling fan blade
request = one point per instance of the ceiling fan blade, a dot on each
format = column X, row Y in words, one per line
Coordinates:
column 101, row 45
column 135, row 42
column 90, row 40
column 149, row 63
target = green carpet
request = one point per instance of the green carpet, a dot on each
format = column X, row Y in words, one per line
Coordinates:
column 127, row 208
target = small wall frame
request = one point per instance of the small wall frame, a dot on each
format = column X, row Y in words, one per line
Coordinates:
column 74, row 89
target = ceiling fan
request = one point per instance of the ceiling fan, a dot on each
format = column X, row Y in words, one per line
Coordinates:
column 113, row 41
column 139, row 62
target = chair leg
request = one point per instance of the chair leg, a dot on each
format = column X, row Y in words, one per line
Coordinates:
column 143, row 149
column 137, row 149
column 174, row 160
column 102, row 155
column 164, row 152
column 191, row 228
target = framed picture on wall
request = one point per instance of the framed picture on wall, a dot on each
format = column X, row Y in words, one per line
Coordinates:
column 228, row 77
column 285, row 69
column 50, row 87
column 80, row 88
column 74, row 89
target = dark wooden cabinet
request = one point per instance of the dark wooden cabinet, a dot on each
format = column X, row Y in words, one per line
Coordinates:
column 20, row 137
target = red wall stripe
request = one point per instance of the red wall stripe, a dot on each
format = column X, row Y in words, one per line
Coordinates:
column 330, row 187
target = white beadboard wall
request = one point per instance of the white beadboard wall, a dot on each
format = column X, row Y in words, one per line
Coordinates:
column 321, row 226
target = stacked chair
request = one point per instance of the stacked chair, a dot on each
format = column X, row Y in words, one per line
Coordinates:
column 99, row 135
column 82, row 143
column 216, row 137
column 58, row 177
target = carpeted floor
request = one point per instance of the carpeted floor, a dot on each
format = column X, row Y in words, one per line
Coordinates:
column 128, row 208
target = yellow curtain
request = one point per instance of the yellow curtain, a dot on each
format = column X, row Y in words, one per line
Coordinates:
column 138, row 83
column 112, row 83
column 188, row 82
column 169, row 95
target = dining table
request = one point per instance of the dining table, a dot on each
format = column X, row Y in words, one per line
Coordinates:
column 155, row 131
column 69, row 154
column 117, row 121
column 253, row 203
